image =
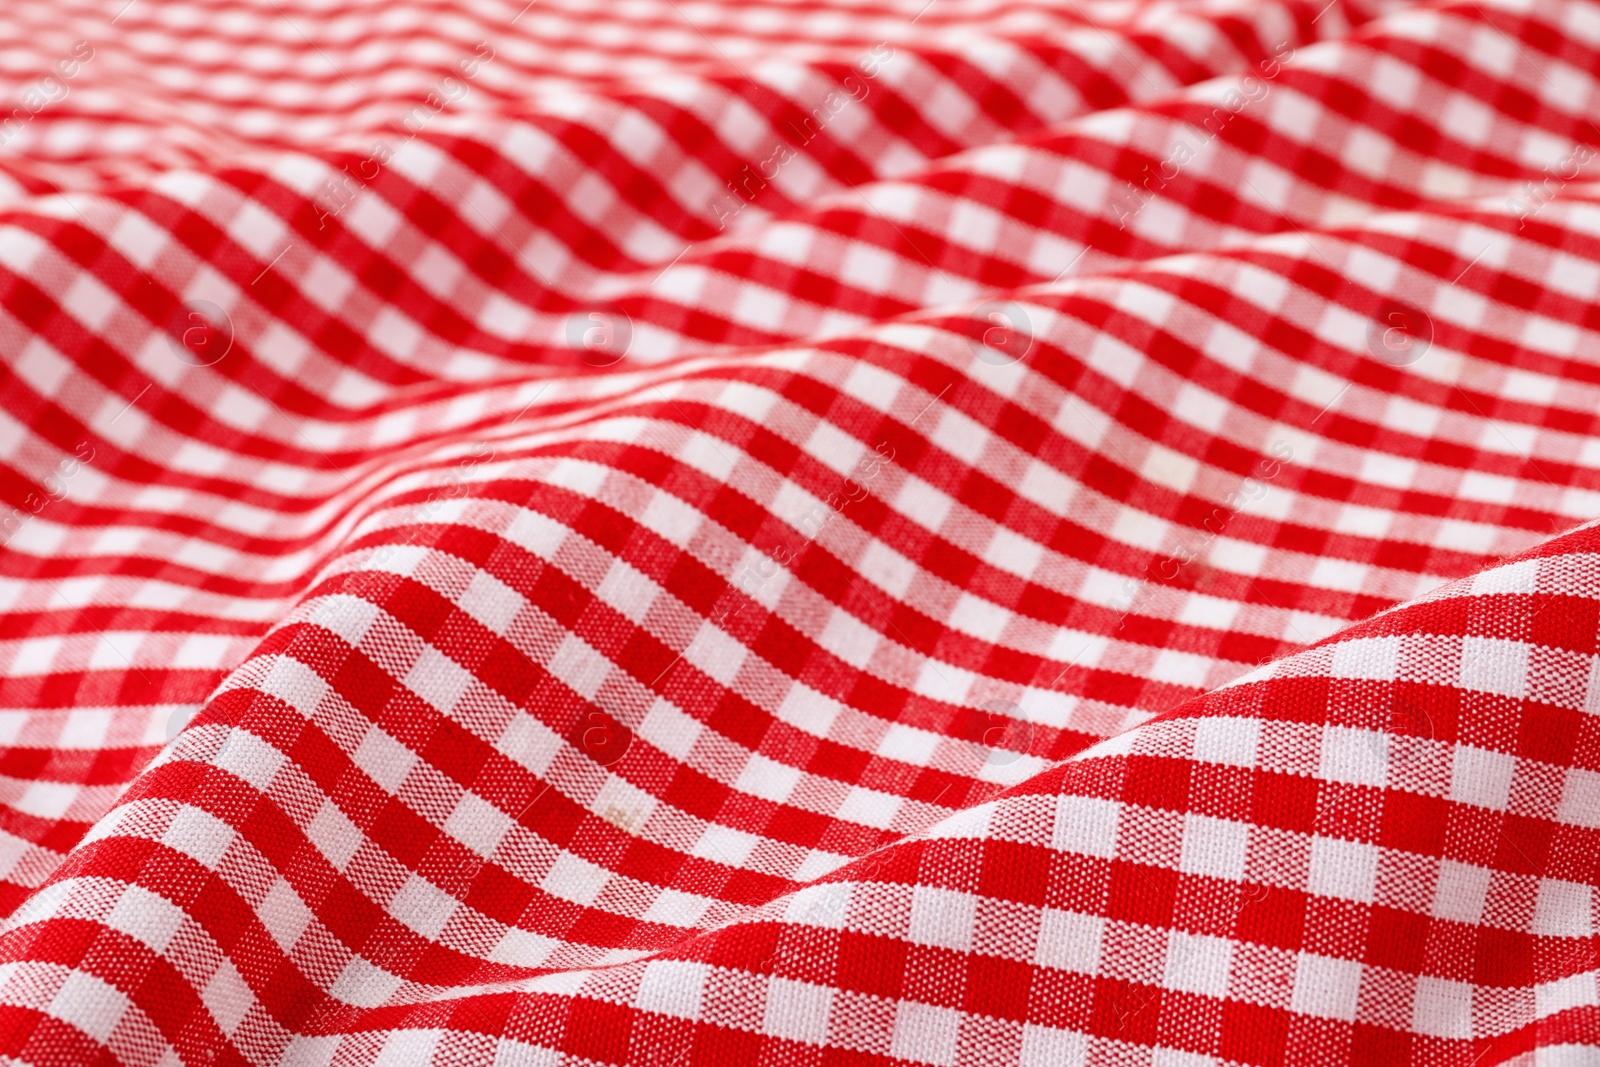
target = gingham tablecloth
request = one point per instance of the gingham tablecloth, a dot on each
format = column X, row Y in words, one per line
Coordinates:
column 694, row 532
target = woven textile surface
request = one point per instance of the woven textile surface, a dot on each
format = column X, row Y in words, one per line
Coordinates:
column 693, row 532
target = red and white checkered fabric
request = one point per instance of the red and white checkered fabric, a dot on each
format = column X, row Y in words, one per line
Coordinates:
column 696, row 532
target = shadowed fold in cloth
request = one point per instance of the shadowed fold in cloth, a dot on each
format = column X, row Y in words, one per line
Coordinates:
column 687, row 533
